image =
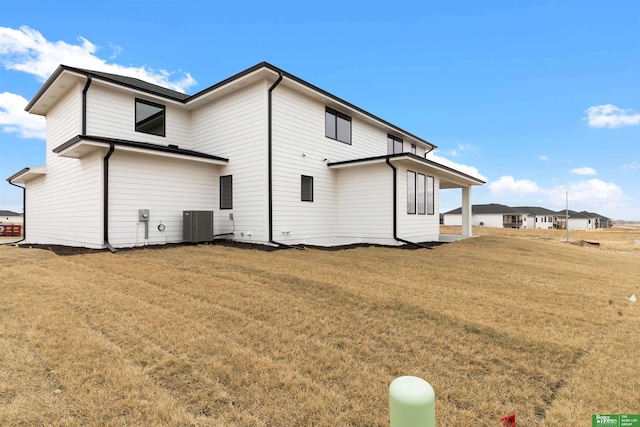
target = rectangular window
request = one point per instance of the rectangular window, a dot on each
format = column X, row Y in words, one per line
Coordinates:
column 337, row 126
column 421, row 196
column 411, row 192
column 226, row 192
column 430, row 196
column 394, row 145
column 150, row 118
column 413, row 149
column 306, row 187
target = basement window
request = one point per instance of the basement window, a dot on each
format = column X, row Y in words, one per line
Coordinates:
column 337, row 126
column 150, row 118
column 306, row 185
column 226, row 192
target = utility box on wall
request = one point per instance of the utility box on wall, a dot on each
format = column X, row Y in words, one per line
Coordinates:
column 197, row 226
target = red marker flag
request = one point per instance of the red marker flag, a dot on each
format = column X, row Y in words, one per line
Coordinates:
column 509, row 420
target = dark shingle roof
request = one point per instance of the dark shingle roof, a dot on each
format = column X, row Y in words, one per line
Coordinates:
column 134, row 83
column 492, row 208
column 9, row 213
column 534, row 210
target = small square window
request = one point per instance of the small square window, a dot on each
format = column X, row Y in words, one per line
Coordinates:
column 150, row 118
column 306, row 185
column 226, row 192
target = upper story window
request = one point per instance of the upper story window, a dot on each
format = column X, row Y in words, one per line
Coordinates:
column 394, row 145
column 414, row 150
column 337, row 126
column 150, row 118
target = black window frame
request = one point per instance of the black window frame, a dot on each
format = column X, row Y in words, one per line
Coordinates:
column 305, row 182
column 414, row 149
column 393, row 142
column 139, row 125
column 421, row 194
column 431, row 197
column 411, row 193
column 226, row 201
column 332, row 124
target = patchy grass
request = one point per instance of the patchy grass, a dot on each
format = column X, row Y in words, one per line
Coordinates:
column 218, row 336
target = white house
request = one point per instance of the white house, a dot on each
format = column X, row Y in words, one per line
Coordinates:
column 10, row 217
column 538, row 217
column 490, row 215
column 276, row 159
column 581, row 220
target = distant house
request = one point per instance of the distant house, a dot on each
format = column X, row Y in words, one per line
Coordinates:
column 10, row 217
column 581, row 220
column 269, row 157
column 538, row 217
column 502, row 216
column 599, row 221
column 491, row 215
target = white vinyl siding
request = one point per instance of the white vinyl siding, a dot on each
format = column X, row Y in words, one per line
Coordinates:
column 111, row 114
column 235, row 127
column 166, row 187
column 63, row 206
column 365, row 211
column 64, row 121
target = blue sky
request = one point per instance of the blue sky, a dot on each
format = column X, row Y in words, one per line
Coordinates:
column 533, row 96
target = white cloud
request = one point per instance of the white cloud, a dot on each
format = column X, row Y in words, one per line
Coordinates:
column 630, row 167
column 13, row 118
column 584, row 171
column 26, row 50
column 508, row 185
column 465, row 147
column 469, row 170
column 595, row 191
column 608, row 115
column 543, row 158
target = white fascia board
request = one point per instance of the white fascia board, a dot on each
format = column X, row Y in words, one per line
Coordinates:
column 28, row 174
column 54, row 90
column 83, row 147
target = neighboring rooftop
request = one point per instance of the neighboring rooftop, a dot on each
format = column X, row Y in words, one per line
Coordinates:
column 535, row 210
column 492, row 208
column 496, row 208
column 9, row 213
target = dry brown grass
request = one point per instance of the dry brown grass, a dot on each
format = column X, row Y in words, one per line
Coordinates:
column 619, row 238
column 218, row 336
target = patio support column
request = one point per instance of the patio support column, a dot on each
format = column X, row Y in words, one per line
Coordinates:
column 466, row 211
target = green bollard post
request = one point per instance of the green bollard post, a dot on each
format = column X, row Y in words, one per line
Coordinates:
column 412, row 403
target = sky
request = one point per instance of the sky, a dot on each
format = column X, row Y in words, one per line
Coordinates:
column 541, row 99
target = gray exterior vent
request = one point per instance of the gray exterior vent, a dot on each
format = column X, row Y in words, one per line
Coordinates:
column 197, row 226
